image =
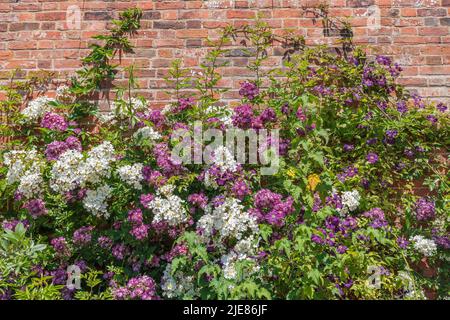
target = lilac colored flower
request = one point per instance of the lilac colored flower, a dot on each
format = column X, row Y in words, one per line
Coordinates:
column 371, row 141
column 268, row 115
column 402, row 242
column 145, row 199
column 119, row 251
column 317, row 239
column 372, row 158
column 140, row 232
column 432, row 118
column 142, row 287
column 382, row 105
column 35, row 207
column 54, row 121
column 184, row 104
column 384, row 60
column 248, row 90
column 12, row 224
column 60, row 246
column 165, row 161
column 391, row 135
column 300, row 114
column 198, row 199
column 135, row 216
column 317, row 203
column 441, row 107
column 73, row 143
column 442, row 241
column 55, row 149
column 409, row 153
column 153, row 177
column 285, row 109
column 348, row 147
column 266, row 199
column 105, row 242
column 402, row 107
column 275, row 217
column 243, row 116
column 83, row 235
column 341, row 249
column 425, row 210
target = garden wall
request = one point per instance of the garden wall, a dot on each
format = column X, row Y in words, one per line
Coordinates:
column 53, row 35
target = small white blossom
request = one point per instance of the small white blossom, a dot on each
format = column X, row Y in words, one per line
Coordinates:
column 95, row 201
column 228, row 219
column 37, row 108
column 350, row 201
column 168, row 207
column 132, row 175
column 427, row 247
column 31, row 183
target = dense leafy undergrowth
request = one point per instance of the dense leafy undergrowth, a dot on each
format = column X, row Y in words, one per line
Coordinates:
column 339, row 219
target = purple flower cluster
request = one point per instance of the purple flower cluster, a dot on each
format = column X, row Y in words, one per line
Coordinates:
column 198, row 199
column 372, row 158
column 300, row 114
column 139, row 230
column 376, row 215
column 243, row 116
column 143, row 288
column 54, row 121
column 249, row 90
column 240, row 189
column 270, row 207
column 441, row 107
column 390, row 136
column 83, row 235
column 335, row 230
column 348, row 172
column 60, row 246
column 184, row 104
column 165, row 161
column 425, row 210
column 57, row 148
column 12, row 224
column 35, row 207
column 145, row 199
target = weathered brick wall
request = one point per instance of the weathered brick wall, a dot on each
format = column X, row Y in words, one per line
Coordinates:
column 37, row 34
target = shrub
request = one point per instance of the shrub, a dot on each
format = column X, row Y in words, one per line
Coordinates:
column 338, row 213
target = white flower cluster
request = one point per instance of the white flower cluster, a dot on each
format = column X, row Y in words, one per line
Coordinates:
column 17, row 162
column 37, row 108
column 427, row 247
column 228, row 219
column 147, row 133
column 350, row 201
column 24, row 167
column 177, row 285
column 98, row 163
column 31, row 183
column 65, row 172
column 168, row 207
column 132, row 175
column 95, row 201
column 71, row 170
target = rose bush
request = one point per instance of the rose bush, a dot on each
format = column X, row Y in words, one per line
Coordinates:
column 339, row 219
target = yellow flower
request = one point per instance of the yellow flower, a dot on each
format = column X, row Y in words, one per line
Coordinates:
column 291, row 173
column 313, row 181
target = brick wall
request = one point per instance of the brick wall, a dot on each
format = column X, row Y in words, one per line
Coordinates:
column 36, row 34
